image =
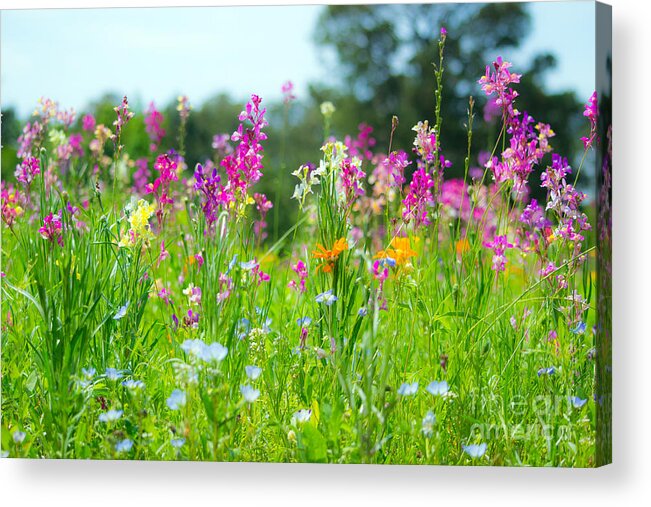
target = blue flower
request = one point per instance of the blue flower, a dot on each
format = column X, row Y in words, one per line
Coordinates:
column 407, row 389
column 110, row 416
column 579, row 328
column 387, row 262
column 133, row 384
column 253, row 372
column 249, row 393
column 577, row 402
column 177, row 443
column 124, row 445
column 88, row 372
column 232, row 263
column 475, row 450
column 176, row 400
column 436, row 388
column 428, row 424
column 248, row 266
column 546, row 371
column 362, row 312
column 326, row 297
column 304, row 321
column 19, row 436
column 113, row 374
column 122, row 311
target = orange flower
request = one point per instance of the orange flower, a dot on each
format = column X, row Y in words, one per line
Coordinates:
column 463, row 245
column 329, row 256
column 399, row 250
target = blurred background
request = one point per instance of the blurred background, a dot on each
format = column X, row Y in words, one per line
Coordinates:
column 370, row 61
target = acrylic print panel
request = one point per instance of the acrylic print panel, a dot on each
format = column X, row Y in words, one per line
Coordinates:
column 361, row 234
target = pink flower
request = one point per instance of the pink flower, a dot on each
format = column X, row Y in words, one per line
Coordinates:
column 362, row 144
column 154, row 126
column 52, row 229
column 301, row 270
column 88, row 122
column 419, row 198
column 199, row 258
column 499, row 246
column 351, row 178
column 164, row 254
column 263, row 205
column 288, row 92
column 498, row 81
column 28, row 169
column 166, row 168
column 591, row 113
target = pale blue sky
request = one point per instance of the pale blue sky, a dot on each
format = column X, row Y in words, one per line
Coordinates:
column 75, row 55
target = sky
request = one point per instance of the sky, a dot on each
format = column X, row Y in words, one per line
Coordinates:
column 75, row 55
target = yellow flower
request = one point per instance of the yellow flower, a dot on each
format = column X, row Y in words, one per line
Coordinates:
column 399, row 250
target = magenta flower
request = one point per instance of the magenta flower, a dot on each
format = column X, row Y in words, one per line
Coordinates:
column 52, row 229
column 244, row 166
column 287, row 90
column 301, row 270
column 88, row 123
column 28, row 169
column 166, row 168
column 591, row 113
column 498, row 82
column 154, row 126
column 397, row 162
column 362, row 144
column 499, row 246
column 263, row 205
column 141, row 176
column 164, row 294
column 425, row 145
column 419, row 198
column 221, row 145
column 164, row 254
column 199, row 258
column 12, row 204
column 351, row 177
column 225, row 287
column 213, row 193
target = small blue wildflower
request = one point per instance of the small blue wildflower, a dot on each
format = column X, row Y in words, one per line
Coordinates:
column 475, row 450
column 215, row 352
column 231, row 264
column 88, row 372
column 436, row 388
column 124, row 445
column 177, row 443
column 387, row 262
column 110, row 416
column 249, row 393
column 546, row 371
column 579, row 328
column 266, row 327
column 18, row 436
column 326, row 297
column 428, row 424
column 577, row 402
column 133, row 384
column 176, row 400
column 249, row 265
column 253, row 372
column 407, row 389
column 113, row 374
column 362, row 312
column 122, row 311
column 304, row 321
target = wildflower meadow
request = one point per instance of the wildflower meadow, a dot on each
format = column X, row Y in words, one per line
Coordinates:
column 405, row 316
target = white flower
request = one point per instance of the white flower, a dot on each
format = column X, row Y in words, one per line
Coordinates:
column 428, row 424
column 475, row 450
column 19, row 436
column 301, row 416
column 249, row 393
column 124, row 445
column 253, row 372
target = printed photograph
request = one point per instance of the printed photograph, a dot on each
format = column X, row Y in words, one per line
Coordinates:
column 345, row 234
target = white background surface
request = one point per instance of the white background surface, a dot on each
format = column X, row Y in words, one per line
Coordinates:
column 626, row 482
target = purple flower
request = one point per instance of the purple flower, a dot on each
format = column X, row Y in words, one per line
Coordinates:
column 497, row 81
column 591, row 113
column 52, row 229
column 419, row 198
column 499, row 246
